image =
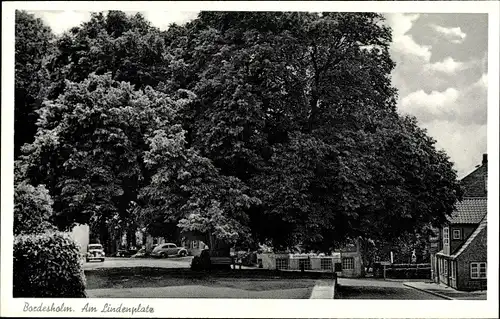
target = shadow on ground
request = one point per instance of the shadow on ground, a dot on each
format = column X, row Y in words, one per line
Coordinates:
column 372, row 292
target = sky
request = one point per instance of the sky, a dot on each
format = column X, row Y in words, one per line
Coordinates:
column 441, row 73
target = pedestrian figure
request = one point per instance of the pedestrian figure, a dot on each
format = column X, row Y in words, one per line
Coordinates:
column 413, row 257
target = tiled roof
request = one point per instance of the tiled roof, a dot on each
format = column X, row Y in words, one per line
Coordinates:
column 469, row 211
column 478, row 230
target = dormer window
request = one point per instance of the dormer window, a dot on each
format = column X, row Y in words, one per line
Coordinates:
column 457, row 234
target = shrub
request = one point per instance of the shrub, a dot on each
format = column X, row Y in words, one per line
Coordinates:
column 47, row 265
column 408, row 273
column 201, row 262
column 410, row 265
column 32, row 209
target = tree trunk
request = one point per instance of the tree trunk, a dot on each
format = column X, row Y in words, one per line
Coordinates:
column 130, row 238
column 314, row 110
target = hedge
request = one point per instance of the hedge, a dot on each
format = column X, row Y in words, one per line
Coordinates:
column 408, row 273
column 425, row 265
column 47, row 265
column 201, row 262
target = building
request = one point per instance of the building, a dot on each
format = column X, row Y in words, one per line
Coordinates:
column 194, row 246
column 80, row 234
column 461, row 261
column 351, row 259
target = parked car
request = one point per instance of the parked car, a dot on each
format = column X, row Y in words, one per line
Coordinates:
column 168, row 249
column 141, row 253
column 125, row 252
column 95, row 252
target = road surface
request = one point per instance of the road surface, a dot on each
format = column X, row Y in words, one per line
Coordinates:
column 368, row 288
column 115, row 262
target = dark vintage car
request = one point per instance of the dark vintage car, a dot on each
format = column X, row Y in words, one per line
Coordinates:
column 168, row 249
column 125, row 252
column 141, row 253
column 95, row 252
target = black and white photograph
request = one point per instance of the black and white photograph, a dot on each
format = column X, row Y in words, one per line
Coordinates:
column 175, row 159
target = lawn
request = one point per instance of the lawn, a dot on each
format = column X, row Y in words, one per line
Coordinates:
column 148, row 283
column 373, row 292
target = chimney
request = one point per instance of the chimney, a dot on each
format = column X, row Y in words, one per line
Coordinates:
column 485, row 159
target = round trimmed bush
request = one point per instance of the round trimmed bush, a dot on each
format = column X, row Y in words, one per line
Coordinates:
column 201, row 262
column 47, row 265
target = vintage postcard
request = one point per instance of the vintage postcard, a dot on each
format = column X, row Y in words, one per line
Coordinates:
column 250, row 159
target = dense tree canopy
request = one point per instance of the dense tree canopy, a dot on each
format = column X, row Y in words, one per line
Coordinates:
column 246, row 127
column 90, row 144
column 300, row 107
column 128, row 47
column 33, row 49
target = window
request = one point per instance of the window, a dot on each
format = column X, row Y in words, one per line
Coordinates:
column 477, row 270
column 305, row 262
column 326, row 264
column 348, row 263
column 457, row 234
column 445, row 270
column 446, row 235
column 281, row 263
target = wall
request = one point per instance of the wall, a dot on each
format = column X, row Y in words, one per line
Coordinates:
column 354, row 250
column 293, row 262
column 434, row 269
column 194, row 247
column 474, row 184
column 466, row 231
column 80, row 234
column 475, row 252
column 443, row 266
column 436, row 244
column 269, row 259
column 359, row 269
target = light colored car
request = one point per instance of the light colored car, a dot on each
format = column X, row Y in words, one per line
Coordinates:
column 95, row 252
column 168, row 249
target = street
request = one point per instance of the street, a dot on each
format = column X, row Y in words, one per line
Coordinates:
column 114, row 262
column 369, row 288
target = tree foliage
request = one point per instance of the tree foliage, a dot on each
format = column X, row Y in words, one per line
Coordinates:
column 299, row 106
column 89, row 147
column 33, row 48
column 256, row 127
column 127, row 47
column 103, row 146
column 32, row 209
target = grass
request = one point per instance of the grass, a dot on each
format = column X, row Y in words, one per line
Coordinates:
column 140, row 281
column 372, row 292
column 184, row 282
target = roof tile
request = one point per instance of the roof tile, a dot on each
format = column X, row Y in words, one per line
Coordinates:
column 469, row 211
